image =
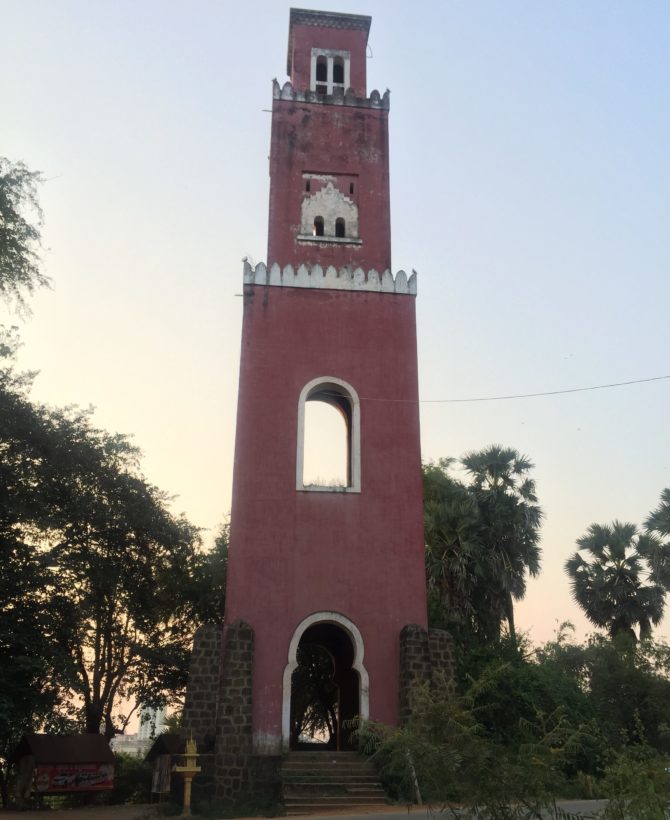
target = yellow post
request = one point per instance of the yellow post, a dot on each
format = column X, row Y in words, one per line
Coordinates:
column 188, row 772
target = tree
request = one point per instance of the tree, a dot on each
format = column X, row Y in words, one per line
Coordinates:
column 209, row 577
column 511, row 520
column 114, row 581
column 617, row 583
column 658, row 525
column 482, row 538
column 455, row 558
column 626, row 686
column 124, row 567
column 30, row 634
column 20, row 231
column 314, row 696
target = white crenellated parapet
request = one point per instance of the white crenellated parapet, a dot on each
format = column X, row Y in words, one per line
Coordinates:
column 338, row 97
column 330, row 279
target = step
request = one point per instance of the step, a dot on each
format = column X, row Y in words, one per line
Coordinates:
column 321, row 807
column 321, row 781
column 334, row 768
column 325, row 789
column 345, row 782
column 344, row 777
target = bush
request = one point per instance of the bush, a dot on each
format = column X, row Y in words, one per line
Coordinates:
column 132, row 780
column 445, row 753
column 637, row 784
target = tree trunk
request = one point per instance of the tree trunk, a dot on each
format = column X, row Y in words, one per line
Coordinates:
column 93, row 720
column 4, row 796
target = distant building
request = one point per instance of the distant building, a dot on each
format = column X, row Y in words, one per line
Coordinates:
column 152, row 724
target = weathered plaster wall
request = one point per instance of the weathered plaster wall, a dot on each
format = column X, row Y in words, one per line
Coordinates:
column 348, row 142
column 329, row 203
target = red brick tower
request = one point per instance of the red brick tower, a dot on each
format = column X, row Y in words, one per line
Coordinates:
column 336, row 566
column 327, row 321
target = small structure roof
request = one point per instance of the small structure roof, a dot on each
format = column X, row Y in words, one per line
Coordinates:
column 64, row 749
column 324, row 19
column 165, row 744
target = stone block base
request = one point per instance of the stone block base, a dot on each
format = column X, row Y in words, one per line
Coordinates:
column 424, row 653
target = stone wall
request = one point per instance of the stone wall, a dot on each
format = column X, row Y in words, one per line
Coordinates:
column 423, row 655
column 442, row 653
column 201, row 705
column 414, row 665
column 234, row 726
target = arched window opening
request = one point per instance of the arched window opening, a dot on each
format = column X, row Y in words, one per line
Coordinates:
column 326, row 443
column 339, row 228
column 329, row 69
column 328, row 447
column 338, row 71
column 317, row 230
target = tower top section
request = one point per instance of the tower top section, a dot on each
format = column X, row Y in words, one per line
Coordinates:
column 327, row 51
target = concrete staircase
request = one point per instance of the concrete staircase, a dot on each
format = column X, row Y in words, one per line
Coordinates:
column 317, row 782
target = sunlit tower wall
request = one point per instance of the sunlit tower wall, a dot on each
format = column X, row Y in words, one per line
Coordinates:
column 325, row 321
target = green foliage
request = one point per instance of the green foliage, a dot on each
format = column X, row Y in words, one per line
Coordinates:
column 132, row 780
column 538, row 725
column 482, row 540
column 209, row 578
column 20, row 235
column 445, row 753
column 629, row 687
column 519, row 688
column 102, row 586
column 616, row 585
column 637, row 785
column 659, row 520
column 658, row 526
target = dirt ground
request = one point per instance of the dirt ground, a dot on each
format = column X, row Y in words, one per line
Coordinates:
column 134, row 812
column 138, row 812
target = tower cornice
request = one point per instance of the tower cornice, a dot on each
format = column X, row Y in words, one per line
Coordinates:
column 324, row 19
column 338, row 97
column 314, row 276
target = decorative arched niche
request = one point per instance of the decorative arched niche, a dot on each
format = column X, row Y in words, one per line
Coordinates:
column 354, row 633
column 341, row 396
column 332, row 208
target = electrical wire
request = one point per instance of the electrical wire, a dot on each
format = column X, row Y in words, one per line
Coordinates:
column 524, row 395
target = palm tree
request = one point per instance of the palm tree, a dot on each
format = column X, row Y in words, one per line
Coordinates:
column 616, row 585
column 658, row 525
column 510, row 520
column 455, row 558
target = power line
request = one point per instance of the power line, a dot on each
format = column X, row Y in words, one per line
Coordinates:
column 525, row 395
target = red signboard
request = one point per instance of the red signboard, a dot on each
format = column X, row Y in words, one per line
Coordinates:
column 74, row 777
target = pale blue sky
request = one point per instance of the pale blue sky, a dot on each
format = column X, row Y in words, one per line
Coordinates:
column 530, row 182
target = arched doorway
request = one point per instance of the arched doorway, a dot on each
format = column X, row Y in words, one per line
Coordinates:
column 325, row 683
